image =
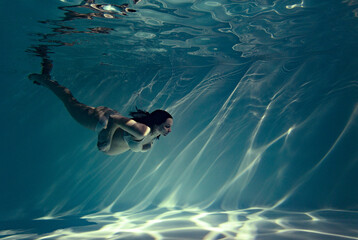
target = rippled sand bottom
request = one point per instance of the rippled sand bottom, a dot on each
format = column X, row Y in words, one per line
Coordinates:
column 162, row 223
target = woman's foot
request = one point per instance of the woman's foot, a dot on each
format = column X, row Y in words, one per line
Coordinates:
column 39, row 79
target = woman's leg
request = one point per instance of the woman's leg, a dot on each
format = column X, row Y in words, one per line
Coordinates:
column 85, row 115
column 96, row 119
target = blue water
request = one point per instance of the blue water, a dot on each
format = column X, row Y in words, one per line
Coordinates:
column 265, row 104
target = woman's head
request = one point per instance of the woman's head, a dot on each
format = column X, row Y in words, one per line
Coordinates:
column 158, row 120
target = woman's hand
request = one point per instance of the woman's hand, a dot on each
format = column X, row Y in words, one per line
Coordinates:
column 146, row 147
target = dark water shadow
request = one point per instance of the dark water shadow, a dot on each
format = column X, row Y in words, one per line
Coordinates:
column 30, row 226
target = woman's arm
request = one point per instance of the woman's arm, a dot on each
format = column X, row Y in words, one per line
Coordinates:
column 138, row 130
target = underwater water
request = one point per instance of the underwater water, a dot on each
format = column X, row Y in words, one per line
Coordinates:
column 265, row 105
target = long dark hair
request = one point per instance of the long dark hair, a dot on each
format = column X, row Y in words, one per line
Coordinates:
column 150, row 119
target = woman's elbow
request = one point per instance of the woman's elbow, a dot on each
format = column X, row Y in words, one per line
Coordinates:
column 143, row 130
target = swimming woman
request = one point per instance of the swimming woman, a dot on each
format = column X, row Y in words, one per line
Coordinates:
column 116, row 133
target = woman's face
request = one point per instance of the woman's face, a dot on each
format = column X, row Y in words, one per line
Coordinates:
column 166, row 127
